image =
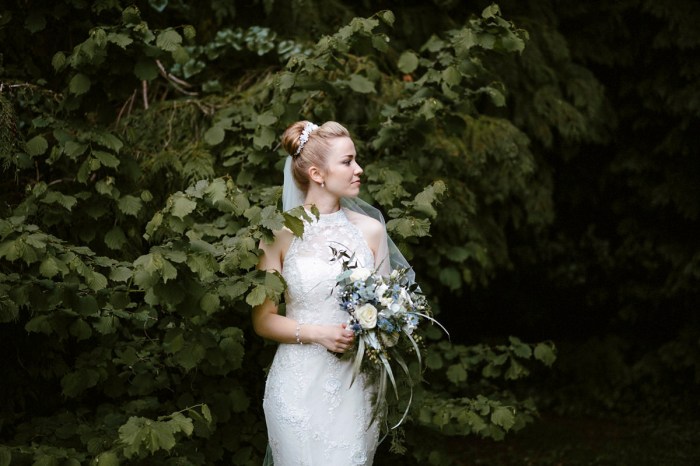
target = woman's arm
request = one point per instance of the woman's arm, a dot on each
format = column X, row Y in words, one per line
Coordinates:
column 269, row 324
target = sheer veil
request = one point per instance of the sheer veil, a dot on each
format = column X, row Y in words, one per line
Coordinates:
column 388, row 256
column 292, row 196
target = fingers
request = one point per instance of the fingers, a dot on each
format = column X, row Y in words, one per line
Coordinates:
column 342, row 339
column 344, row 342
column 342, row 348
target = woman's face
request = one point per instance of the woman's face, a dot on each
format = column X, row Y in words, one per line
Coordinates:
column 342, row 173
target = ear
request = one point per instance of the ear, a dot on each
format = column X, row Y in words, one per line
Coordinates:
column 315, row 174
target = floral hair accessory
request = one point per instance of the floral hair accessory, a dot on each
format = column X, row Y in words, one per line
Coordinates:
column 304, row 137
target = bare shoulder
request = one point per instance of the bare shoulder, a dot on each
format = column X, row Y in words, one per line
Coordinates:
column 371, row 228
column 365, row 222
column 274, row 252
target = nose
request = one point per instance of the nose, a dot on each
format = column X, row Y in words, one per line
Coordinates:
column 358, row 169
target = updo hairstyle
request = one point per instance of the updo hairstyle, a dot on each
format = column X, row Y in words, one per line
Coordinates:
column 315, row 150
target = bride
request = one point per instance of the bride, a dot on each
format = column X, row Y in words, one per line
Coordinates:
column 314, row 415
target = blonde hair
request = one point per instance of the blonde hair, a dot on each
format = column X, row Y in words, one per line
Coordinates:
column 315, row 150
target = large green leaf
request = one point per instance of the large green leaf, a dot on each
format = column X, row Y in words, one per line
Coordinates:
column 182, row 207
column 146, row 69
column 106, row 159
column 256, row 296
column 210, row 303
column 214, row 135
column 115, row 238
column 545, row 352
column 122, row 40
column 408, row 62
column 456, row 374
column 107, row 458
column 79, row 84
column 169, row 40
column 361, row 84
column 130, row 205
column 503, row 416
column 37, row 145
column 49, row 267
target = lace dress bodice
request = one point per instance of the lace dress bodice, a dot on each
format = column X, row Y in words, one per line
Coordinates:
column 310, row 271
column 314, row 416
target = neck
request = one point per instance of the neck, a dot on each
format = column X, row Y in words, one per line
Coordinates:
column 325, row 202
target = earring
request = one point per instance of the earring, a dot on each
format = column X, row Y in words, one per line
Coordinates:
column 323, row 184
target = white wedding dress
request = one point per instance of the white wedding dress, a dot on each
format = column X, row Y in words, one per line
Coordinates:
column 314, row 417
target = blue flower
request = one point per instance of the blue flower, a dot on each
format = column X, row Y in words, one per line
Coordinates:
column 385, row 325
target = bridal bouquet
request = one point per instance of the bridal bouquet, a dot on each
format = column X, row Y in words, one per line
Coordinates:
column 385, row 313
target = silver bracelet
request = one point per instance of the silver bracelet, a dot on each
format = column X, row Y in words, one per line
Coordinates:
column 297, row 334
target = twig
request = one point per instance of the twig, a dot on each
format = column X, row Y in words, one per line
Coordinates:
column 126, row 102
column 60, row 180
column 131, row 103
column 174, row 80
column 170, row 76
column 205, row 110
column 170, row 128
column 144, row 92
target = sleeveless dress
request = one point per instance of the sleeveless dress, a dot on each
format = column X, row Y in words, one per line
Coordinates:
column 314, row 417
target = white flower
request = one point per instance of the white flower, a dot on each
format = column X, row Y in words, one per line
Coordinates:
column 405, row 297
column 386, row 302
column 411, row 324
column 379, row 292
column 360, row 273
column 396, row 307
column 367, row 315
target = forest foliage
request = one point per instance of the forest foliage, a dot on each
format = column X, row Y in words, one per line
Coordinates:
column 141, row 168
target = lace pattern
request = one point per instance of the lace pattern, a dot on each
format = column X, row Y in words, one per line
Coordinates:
column 314, row 416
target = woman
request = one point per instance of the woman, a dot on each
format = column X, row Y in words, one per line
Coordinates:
column 314, row 415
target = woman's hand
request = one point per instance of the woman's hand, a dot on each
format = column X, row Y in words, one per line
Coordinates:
column 335, row 338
